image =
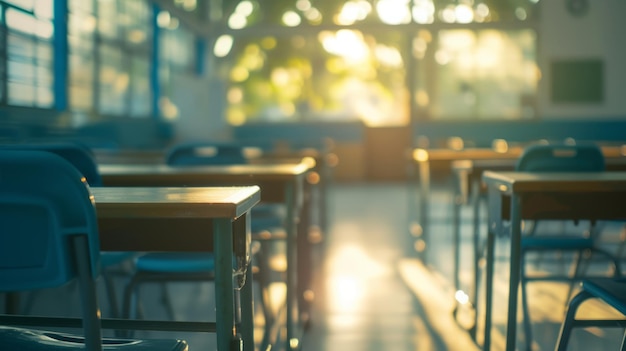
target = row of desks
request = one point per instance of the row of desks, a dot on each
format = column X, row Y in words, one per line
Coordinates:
column 513, row 197
column 162, row 208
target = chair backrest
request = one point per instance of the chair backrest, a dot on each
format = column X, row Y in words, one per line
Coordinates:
column 44, row 203
column 77, row 154
column 561, row 158
column 205, row 153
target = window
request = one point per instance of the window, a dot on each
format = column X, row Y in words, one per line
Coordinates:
column 28, row 64
column 331, row 75
column 476, row 74
column 109, row 55
column 385, row 62
column 177, row 59
column 81, row 48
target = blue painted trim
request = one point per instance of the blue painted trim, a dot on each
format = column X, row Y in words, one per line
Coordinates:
column 200, row 56
column 60, row 60
column 301, row 134
column 482, row 133
column 155, row 85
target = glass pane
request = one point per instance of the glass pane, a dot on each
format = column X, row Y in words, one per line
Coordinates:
column 81, row 25
column 21, row 72
column 83, row 6
column 113, row 81
column 28, row 24
column 81, row 70
column 24, row 4
column 240, row 14
column 20, row 47
column 332, row 76
column 140, row 102
column 134, row 18
column 45, row 97
column 21, row 94
column 29, row 70
column 485, row 74
column 81, row 98
column 177, row 49
column 107, row 19
column 44, row 53
column 44, row 75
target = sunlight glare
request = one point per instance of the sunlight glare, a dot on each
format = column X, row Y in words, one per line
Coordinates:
column 291, row 19
column 461, row 297
column 520, row 13
column 223, row 45
column 245, row 8
column 482, row 11
column 423, row 11
column 163, row 19
column 463, row 13
column 314, row 15
column 346, row 43
column 448, row 14
column 303, row 5
column 393, row 12
column 353, row 11
column 237, row 21
column 388, row 56
column 28, row 24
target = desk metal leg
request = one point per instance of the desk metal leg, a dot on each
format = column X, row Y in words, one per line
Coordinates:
column 247, row 311
column 424, row 206
column 477, row 252
column 515, row 272
column 224, row 299
column 491, row 235
column 293, row 210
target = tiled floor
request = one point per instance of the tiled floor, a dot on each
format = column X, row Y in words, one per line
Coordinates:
column 371, row 293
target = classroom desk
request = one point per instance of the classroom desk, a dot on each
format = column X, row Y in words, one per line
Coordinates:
column 468, row 190
column 426, row 161
column 279, row 183
column 429, row 161
column 517, row 196
column 188, row 219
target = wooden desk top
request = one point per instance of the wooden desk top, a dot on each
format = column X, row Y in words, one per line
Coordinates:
column 587, row 182
column 208, row 202
column 270, row 177
column 167, row 219
column 111, row 173
column 422, row 155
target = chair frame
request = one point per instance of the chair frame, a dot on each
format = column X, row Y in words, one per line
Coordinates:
column 79, row 240
column 604, row 293
column 557, row 158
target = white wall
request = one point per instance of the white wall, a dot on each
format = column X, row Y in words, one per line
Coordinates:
column 599, row 34
column 201, row 103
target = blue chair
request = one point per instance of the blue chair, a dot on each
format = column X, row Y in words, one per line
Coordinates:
column 81, row 157
column 610, row 291
column 171, row 267
column 559, row 158
column 49, row 238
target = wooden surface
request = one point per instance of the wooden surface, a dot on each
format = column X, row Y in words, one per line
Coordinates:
column 167, row 219
column 586, row 182
column 196, row 202
column 271, row 178
column 515, row 196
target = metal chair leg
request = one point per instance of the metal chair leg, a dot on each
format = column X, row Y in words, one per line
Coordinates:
column 570, row 319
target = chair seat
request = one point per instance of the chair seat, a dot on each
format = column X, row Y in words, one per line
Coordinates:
column 109, row 259
column 557, row 242
column 12, row 338
column 175, row 263
column 612, row 291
